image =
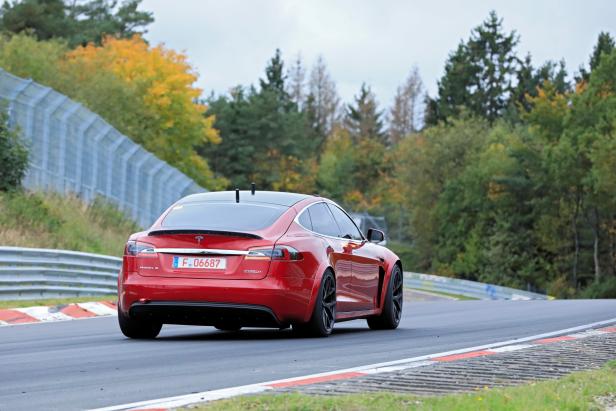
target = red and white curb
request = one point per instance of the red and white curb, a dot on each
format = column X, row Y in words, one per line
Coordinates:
column 583, row 331
column 66, row 312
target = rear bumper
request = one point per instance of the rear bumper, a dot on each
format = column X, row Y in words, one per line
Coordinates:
column 202, row 313
column 270, row 302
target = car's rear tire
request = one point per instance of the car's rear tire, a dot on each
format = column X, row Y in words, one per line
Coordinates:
column 323, row 317
column 392, row 308
column 138, row 329
column 228, row 327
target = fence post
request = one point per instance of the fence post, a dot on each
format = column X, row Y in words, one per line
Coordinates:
column 124, row 175
column 46, row 130
column 80, row 147
column 97, row 151
column 112, row 151
column 61, row 175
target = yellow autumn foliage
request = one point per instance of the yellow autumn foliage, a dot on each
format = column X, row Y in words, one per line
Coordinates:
column 172, row 123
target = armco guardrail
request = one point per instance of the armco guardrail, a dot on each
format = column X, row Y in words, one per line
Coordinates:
column 28, row 273
column 467, row 288
column 75, row 150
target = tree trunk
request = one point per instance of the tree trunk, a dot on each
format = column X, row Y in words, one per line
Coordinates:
column 596, row 245
column 576, row 239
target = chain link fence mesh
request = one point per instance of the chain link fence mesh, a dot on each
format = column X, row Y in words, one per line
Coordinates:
column 74, row 150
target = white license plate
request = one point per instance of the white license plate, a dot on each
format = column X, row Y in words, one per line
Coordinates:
column 203, row 263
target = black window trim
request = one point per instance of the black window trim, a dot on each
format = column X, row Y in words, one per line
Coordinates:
column 327, row 204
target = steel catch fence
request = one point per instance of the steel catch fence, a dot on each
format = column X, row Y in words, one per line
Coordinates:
column 74, row 150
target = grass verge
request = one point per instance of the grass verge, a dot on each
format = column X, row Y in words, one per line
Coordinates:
column 456, row 296
column 578, row 391
column 46, row 220
column 55, row 301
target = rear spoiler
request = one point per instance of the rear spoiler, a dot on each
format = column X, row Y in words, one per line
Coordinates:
column 171, row 231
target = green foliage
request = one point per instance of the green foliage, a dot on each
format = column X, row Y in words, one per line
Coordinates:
column 52, row 221
column 363, row 120
column 13, row 156
column 77, row 22
column 479, row 75
column 266, row 139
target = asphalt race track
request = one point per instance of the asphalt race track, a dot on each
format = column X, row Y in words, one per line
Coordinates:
column 88, row 363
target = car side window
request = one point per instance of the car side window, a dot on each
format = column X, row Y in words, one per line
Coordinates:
column 347, row 227
column 305, row 221
column 322, row 220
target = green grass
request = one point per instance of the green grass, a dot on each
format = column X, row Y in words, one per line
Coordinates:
column 54, row 221
column 456, row 296
column 55, row 301
column 577, row 391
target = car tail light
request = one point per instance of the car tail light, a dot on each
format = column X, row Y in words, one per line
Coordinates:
column 278, row 253
column 136, row 247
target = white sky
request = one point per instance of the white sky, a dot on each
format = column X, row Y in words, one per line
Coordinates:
column 230, row 41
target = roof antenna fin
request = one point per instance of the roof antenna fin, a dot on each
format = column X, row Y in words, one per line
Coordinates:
column 237, row 195
column 253, row 188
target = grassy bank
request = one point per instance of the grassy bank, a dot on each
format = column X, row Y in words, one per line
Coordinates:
column 54, row 221
column 55, row 301
column 578, row 391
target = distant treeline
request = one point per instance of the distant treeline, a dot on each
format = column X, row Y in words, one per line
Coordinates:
column 507, row 175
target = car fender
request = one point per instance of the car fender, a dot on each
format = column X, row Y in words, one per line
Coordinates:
column 316, row 285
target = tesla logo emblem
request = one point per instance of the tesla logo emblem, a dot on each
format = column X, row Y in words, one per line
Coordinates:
column 199, row 238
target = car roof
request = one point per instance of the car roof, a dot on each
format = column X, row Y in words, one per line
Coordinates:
column 246, row 197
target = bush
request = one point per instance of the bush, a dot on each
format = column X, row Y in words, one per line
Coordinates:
column 407, row 254
column 13, row 156
column 603, row 289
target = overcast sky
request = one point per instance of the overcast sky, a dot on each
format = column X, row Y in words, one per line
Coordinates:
column 230, row 41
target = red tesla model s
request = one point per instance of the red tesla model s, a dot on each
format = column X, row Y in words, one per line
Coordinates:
column 237, row 259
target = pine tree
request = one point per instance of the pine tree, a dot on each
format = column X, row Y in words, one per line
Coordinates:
column 363, row 119
column 605, row 45
column 479, row 75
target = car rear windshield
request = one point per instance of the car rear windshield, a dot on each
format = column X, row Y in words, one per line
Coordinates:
column 224, row 216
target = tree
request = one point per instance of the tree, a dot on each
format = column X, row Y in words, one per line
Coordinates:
column 13, row 156
column 531, row 80
column 296, row 85
column 604, row 46
column 363, row 119
column 171, row 123
column 479, row 75
column 77, row 22
column 266, row 139
column 405, row 115
column 323, row 101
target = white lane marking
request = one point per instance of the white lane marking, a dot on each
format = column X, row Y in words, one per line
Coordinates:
column 399, row 367
column 585, row 334
column 514, row 347
column 98, row 308
column 42, row 313
column 183, row 400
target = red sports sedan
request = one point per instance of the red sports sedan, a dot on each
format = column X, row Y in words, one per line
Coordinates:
column 237, row 259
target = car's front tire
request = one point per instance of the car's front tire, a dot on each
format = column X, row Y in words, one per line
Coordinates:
column 138, row 329
column 323, row 317
column 392, row 308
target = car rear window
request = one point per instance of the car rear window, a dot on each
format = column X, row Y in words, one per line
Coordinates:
column 224, row 216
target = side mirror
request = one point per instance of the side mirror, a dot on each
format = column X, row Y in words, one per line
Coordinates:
column 375, row 236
